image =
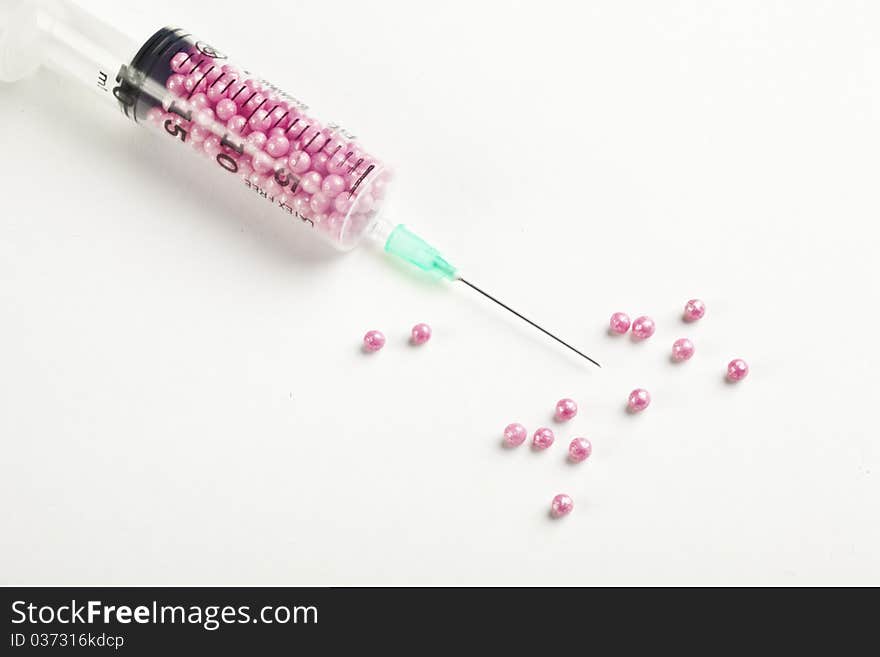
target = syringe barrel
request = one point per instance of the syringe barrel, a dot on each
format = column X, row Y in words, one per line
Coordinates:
column 189, row 92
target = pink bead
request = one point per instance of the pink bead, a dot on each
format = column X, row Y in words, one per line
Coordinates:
column 216, row 91
column 374, row 341
column 257, row 138
column 225, row 109
column 174, row 84
column 311, row 138
column 333, row 185
column 179, row 61
column 694, row 310
column 311, row 182
column 543, row 438
column 260, row 120
column 319, row 203
column 737, row 369
column 421, row 333
column 682, row 349
column 238, row 91
column 300, row 204
column 191, row 81
column 244, row 168
column 271, row 186
column 643, row 327
column 200, row 101
column 319, row 162
column 204, row 117
column 262, row 162
column 337, row 163
column 198, row 134
column 212, row 145
column 252, row 101
column 566, row 409
column 619, row 323
column 236, row 124
column 299, row 162
column 639, row 400
column 514, row 434
column 343, row 203
column 154, row 114
column 561, row 505
column 579, row 450
column 277, row 146
column 279, row 118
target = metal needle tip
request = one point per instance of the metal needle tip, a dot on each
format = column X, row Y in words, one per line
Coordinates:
column 526, row 319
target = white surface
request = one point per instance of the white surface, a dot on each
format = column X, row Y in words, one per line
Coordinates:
column 182, row 398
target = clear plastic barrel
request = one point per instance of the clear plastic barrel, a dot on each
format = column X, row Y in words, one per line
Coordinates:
column 189, row 92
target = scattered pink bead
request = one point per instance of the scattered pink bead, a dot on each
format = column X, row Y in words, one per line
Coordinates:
column 561, row 505
column 682, row 349
column 694, row 310
column 421, row 333
column 515, row 434
column 643, row 327
column 620, row 323
column 566, row 409
column 639, row 400
column 543, row 438
column 374, row 340
column 579, row 450
column 737, row 369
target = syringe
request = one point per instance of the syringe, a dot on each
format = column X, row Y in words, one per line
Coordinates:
column 189, row 92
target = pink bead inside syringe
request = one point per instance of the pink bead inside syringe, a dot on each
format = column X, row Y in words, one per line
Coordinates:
column 246, row 126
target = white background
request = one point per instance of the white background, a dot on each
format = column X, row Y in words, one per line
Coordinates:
column 182, row 395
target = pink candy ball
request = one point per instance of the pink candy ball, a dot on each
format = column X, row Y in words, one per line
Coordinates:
column 643, row 327
column 257, row 138
column 543, row 438
column 561, row 505
column 174, row 84
column 374, row 340
column 319, row 203
column 299, row 162
column 639, row 400
column 737, row 369
column 311, row 182
column 319, row 162
column 236, row 124
column 200, row 101
column 682, row 349
column 694, row 310
column 333, row 185
column 566, row 409
column 514, row 434
column 178, row 62
column 579, row 450
column 277, row 146
column 421, row 333
column 619, row 323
